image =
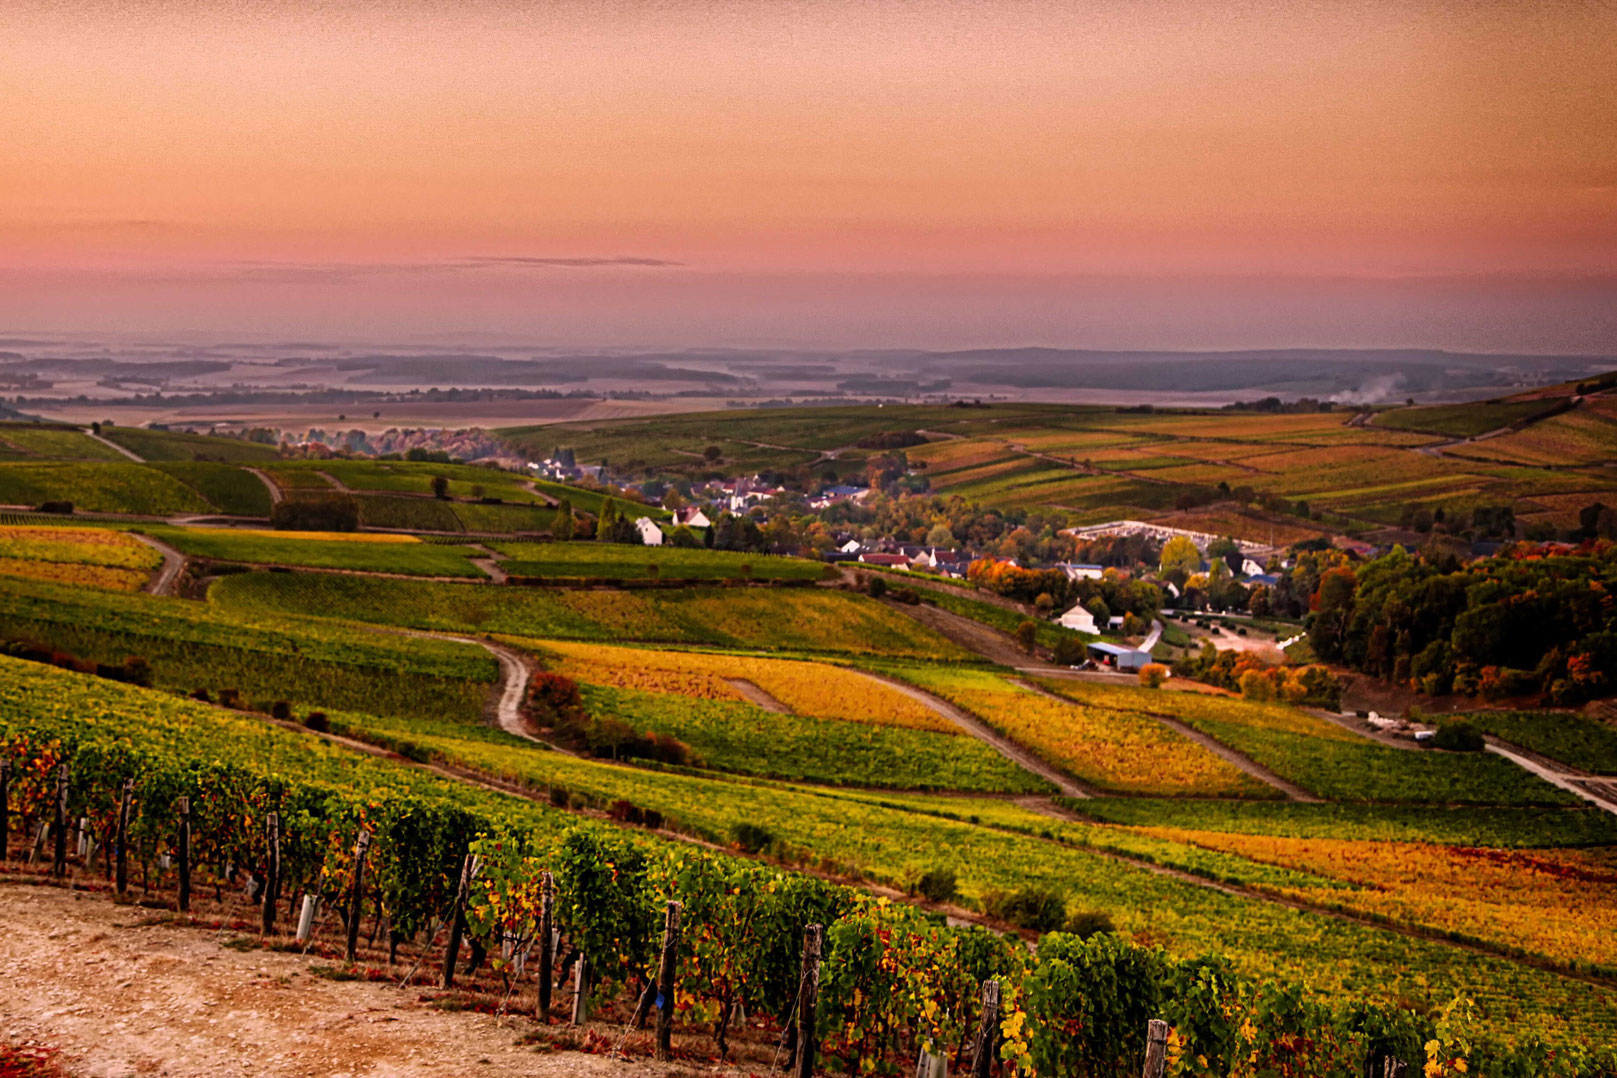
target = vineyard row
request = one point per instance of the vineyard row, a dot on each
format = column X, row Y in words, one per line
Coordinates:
column 701, row 938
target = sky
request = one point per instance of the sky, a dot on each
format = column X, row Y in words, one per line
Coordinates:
column 1155, row 174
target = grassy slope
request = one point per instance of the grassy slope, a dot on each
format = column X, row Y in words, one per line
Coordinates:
column 587, row 559
column 166, row 445
column 413, row 558
column 797, row 619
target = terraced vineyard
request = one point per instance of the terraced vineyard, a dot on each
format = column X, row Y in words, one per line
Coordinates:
column 1111, row 749
column 189, row 647
column 772, row 619
column 613, row 562
column 357, row 551
column 1326, row 759
column 90, row 557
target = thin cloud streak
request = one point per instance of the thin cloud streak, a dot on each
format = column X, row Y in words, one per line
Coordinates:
column 298, row 272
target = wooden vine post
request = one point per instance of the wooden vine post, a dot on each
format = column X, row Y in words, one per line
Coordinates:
column 356, row 893
column 120, row 839
column 808, row 991
column 5, row 810
column 581, row 999
column 1380, row 1063
column 1156, row 1048
column 272, row 869
column 982, row 1061
column 183, row 844
column 59, row 825
column 547, row 949
column 457, row 922
column 665, row 983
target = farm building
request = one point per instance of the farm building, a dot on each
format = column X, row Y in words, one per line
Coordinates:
column 1080, row 620
column 650, row 534
column 1119, row 657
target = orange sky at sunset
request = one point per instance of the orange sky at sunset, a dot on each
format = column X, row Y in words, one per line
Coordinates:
column 1164, row 174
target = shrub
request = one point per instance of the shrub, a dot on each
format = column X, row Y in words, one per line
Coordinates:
column 1037, row 909
column 316, row 515
column 63, row 507
column 1086, row 923
column 750, row 837
column 317, row 721
column 1152, row 675
column 559, row 796
column 280, row 710
column 875, row 587
column 1459, row 736
column 1256, row 686
column 555, row 697
column 1027, row 635
column 937, row 884
column 137, row 671
column 1068, row 651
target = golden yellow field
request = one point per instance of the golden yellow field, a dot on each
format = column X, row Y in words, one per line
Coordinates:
column 1559, row 903
column 327, row 537
column 109, row 577
column 818, row 690
column 1113, row 749
column 92, row 557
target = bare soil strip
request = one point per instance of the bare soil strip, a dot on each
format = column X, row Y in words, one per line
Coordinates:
column 115, row 447
column 168, row 575
column 263, row 477
column 757, row 695
column 122, row 993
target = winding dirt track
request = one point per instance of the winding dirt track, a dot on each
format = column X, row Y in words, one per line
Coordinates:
column 757, row 695
column 264, row 477
column 115, row 447
column 164, row 580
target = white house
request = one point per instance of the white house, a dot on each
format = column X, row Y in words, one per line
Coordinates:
column 692, row 516
column 1249, row 567
column 1080, row 619
column 852, row 546
column 650, row 534
column 1081, row 572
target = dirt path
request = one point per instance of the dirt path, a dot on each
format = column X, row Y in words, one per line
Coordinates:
column 1602, row 793
column 1598, row 792
column 979, row 729
column 120, row 993
column 164, row 580
column 1217, row 748
column 264, row 477
column 756, row 694
column 115, row 447
column 533, row 488
column 974, row 636
column 489, row 563
column 336, row 484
